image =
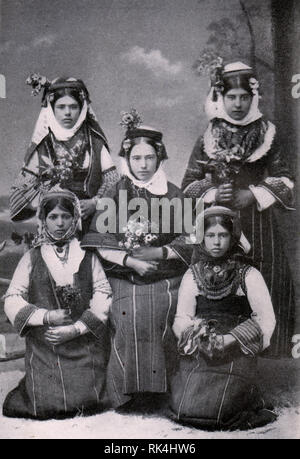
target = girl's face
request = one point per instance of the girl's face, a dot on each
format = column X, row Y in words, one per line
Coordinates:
column 237, row 103
column 217, row 240
column 67, row 111
column 143, row 161
column 58, row 221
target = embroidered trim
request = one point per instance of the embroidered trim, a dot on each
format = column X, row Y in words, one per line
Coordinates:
column 211, row 145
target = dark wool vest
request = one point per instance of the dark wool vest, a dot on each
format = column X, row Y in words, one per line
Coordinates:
column 41, row 290
column 93, row 180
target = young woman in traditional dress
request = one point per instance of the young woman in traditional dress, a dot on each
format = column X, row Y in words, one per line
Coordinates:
column 239, row 162
column 144, row 269
column 224, row 319
column 68, row 147
column 58, row 300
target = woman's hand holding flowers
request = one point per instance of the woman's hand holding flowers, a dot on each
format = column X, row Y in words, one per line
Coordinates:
column 242, row 199
column 88, row 207
column 148, row 253
column 202, row 338
column 142, row 267
column 224, row 193
column 58, row 317
column 60, row 335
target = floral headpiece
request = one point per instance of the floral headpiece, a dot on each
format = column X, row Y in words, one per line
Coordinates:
column 39, row 82
column 212, row 65
column 43, row 236
column 131, row 121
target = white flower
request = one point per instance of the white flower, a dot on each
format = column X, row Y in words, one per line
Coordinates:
column 193, row 238
column 138, row 232
column 148, row 238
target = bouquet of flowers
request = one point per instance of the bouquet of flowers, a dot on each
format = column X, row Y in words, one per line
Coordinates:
column 61, row 173
column 136, row 234
column 225, row 165
column 201, row 338
column 69, row 297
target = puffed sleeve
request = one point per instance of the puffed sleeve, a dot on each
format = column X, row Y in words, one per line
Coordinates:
column 254, row 334
column 278, row 186
column 20, row 312
column 25, row 190
column 95, row 318
column 109, row 174
column 195, row 182
column 186, row 305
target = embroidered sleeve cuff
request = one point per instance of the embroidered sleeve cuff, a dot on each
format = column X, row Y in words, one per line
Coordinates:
column 263, row 197
column 249, row 336
column 93, row 324
column 22, row 318
column 198, row 188
column 81, row 327
column 279, row 188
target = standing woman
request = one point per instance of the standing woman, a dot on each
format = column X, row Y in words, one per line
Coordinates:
column 144, row 268
column 239, row 162
column 59, row 299
column 224, row 319
column 68, row 147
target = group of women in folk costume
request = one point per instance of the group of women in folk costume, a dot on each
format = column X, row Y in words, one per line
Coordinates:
column 138, row 313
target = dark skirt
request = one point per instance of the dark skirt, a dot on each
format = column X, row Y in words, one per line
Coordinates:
column 219, row 394
column 268, row 256
column 61, row 381
column 142, row 340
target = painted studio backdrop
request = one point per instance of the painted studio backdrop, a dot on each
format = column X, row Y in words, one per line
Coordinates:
column 144, row 54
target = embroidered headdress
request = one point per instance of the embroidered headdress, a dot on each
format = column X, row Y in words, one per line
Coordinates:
column 43, row 235
column 134, row 129
column 217, row 277
column 47, row 118
column 132, row 123
column 232, row 76
column 239, row 243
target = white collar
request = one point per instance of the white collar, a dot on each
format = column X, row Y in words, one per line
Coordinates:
column 47, row 120
column 63, row 274
column 217, row 110
column 158, row 183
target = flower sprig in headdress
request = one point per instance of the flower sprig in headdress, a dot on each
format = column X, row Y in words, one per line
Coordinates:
column 37, row 82
column 254, row 85
column 210, row 64
column 131, row 120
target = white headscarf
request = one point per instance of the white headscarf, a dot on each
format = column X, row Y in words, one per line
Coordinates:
column 216, row 109
column 157, row 185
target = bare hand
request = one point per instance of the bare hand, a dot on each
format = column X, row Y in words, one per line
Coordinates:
column 88, row 207
column 60, row 335
column 224, row 193
column 243, row 198
column 143, row 268
column 148, row 253
column 59, row 317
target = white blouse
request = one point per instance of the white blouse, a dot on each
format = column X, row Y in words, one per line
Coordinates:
column 257, row 294
column 17, row 294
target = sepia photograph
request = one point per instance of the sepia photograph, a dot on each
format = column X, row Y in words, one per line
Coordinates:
column 149, row 222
